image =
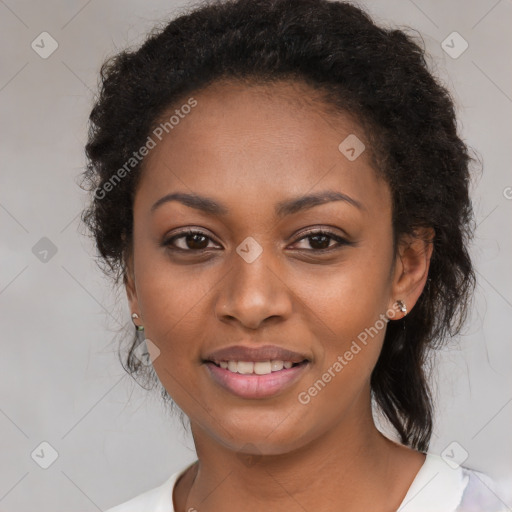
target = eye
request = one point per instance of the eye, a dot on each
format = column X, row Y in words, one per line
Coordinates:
column 193, row 241
column 197, row 241
column 320, row 240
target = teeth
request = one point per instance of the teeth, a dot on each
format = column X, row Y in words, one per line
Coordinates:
column 259, row 367
column 245, row 367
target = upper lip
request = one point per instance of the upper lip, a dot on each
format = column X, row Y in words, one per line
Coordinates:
column 263, row 353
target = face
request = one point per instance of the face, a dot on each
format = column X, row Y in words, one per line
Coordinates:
column 262, row 270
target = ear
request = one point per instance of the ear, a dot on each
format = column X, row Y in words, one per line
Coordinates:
column 411, row 267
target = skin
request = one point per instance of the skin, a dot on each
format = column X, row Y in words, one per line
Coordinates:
column 250, row 148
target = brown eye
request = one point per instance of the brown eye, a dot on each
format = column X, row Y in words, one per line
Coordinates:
column 191, row 241
column 321, row 241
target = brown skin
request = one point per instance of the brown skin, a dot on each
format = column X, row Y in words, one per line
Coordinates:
column 249, row 149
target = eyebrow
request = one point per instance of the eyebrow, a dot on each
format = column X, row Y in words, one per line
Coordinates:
column 282, row 209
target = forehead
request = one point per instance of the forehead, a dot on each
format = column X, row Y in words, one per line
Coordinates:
column 267, row 140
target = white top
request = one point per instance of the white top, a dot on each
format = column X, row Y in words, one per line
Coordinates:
column 437, row 487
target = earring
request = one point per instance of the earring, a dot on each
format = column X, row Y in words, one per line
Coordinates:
column 141, row 350
column 401, row 306
column 138, row 328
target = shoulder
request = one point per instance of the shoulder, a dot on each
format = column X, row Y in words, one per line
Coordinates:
column 444, row 486
column 481, row 493
column 149, row 501
column 158, row 499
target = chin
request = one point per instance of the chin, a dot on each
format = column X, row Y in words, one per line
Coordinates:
column 276, row 436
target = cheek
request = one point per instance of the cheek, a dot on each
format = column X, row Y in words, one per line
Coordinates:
column 175, row 313
column 345, row 313
column 347, row 298
column 350, row 338
column 173, row 303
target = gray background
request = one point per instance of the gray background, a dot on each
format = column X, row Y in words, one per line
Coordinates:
column 61, row 381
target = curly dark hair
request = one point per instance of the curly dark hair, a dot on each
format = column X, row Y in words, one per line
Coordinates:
column 378, row 75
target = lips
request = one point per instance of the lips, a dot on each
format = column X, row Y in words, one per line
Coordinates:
column 253, row 386
column 255, row 354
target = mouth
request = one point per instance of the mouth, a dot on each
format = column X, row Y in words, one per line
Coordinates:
column 256, row 379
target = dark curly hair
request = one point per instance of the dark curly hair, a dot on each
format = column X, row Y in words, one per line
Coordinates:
column 378, row 75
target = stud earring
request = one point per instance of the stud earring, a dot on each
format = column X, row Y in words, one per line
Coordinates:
column 401, row 306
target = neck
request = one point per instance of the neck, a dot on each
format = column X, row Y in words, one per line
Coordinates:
column 352, row 464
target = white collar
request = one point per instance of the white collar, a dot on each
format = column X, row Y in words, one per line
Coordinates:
column 436, row 488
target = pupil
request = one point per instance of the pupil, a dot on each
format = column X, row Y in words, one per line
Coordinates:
column 195, row 240
column 316, row 238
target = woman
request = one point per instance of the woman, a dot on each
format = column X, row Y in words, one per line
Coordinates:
column 282, row 190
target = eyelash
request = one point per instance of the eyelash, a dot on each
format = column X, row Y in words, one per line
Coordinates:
column 341, row 241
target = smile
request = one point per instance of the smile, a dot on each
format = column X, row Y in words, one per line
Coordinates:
column 252, row 380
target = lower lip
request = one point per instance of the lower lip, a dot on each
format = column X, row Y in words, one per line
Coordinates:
column 256, row 386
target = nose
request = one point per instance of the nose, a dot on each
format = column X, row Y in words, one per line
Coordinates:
column 253, row 293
